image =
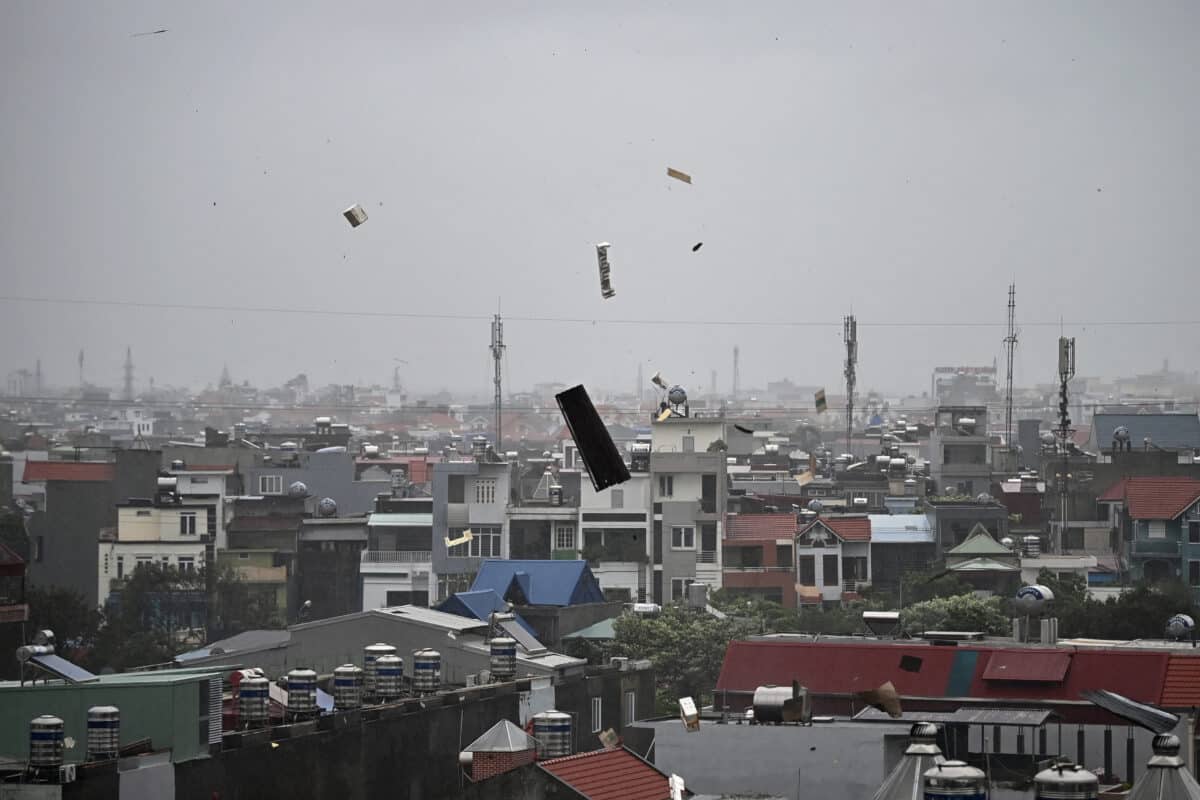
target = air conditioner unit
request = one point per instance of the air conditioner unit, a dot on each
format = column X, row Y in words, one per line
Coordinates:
column 472, row 680
column 618, row 661
column 66, row 773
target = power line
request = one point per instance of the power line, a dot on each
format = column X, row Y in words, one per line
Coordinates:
column 736, row 323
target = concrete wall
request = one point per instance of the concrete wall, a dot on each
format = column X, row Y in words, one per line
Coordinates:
column 553, row 622
column 325, row 475
column 66, row 533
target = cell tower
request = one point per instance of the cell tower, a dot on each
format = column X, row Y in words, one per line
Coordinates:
column 736, row 375
column 1066, row 371
column 1010, row 349
column 850, row 334
column 81, row 369
column 497, row 355
column 640, row 384
column 127, row 392
column 37, row 378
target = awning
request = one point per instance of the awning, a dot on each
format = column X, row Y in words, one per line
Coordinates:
column 1029, row 666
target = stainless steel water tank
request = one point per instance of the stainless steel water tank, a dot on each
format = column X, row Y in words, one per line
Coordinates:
column 552, row 730
column 370, row 653
column 427, row 671
column 389, row 670
column 254, row 700
column 302, row 692
column 347, row 687
column 1066, row 782
column 504, row 658
column 46, row 741
column 103, row 733
column 954, row 780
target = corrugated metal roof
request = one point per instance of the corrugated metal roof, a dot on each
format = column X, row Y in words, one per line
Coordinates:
column 1011, row 717
column 479, row 605
column 760, row 526
column 615, row 774
column 604, row 629
column 1147, row 716
column 1033, row 666
column 99, row 471
column 503, row 737
column 1169, row 431
column 900, row 529
column 402, row 520
column 542, row 582
column 979, row 543
column 1181, row 686
column 982, row 565
column 427, row 616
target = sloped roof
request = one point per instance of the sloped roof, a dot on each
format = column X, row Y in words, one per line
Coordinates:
column 541, row 582
column 760, row 526
column 982, row 565
column 479, row 605
column 1154, row 498
column 615, row 774
column 604, row 629
column 503, row 737
column 1168, row 431
column 9, row 557
column 99, row 471
column 848, row 529
column 1181, row 686
column 979, row 543
column 900, row 528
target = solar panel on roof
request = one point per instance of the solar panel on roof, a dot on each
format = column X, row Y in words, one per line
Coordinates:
column 60, row 667
column 514, row 629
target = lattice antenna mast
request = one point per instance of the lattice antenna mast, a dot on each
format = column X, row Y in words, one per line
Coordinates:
column 497, row 357
column 1066, row 371
column 850, row 334
column 1010, row 349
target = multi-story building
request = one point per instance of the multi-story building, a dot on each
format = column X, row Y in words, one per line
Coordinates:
column 960, row 461
column 328, row 563
column 1158, row 525
column 757, row 559
column 833, row 559
column 396, row 568
column 468, row 495
column 616, row 526
column 687, row 486
column 158, row 531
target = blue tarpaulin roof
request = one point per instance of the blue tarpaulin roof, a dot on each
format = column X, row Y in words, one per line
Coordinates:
column 479, row 605
column 540, row 583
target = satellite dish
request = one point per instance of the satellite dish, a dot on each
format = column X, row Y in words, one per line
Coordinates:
column 676, row 395
column 327, row 507
column 1047, row 437
column 298, row 489
column 1121, row 433
column 1180, row 626
column 1032, row 600
column 816, row 506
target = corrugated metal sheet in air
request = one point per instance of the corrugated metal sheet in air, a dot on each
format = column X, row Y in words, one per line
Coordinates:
column 1029, row 666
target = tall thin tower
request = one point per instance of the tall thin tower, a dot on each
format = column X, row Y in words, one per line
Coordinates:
column 497, row 356
column 81, row 368
column 736, row 374
column 850, row 333
column 1066, row 371
column 127, row 392
column 1010, row 349
column 37, row 379
column 640, row 390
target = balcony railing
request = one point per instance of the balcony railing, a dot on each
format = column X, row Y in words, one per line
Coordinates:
column 728, row 568
column 706, row 557
column 852, row 585
column 397, row 557
column 1154, row 547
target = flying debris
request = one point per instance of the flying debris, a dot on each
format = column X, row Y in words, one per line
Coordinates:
column 697, row 246
column 665, row 415
column 884, row 698
column 742, row 429
column 820, row 400
column 606, row 289
column 679, row 176
column 149, row 33
column 466, row 537
column 603, row 461
column 356, row 215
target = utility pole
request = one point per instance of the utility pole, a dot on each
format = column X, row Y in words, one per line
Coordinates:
column 81, row 370
column 497, row 355
column 850, row 334
column 1066, row 371
column 1010, row 348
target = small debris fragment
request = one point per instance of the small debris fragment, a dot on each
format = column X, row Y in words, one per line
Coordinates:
column 697, row 246
column 606, row 289
column 149, row 33
column 677, row 175
column 356, row 215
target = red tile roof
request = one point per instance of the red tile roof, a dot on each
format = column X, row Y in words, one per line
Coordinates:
column 36, row 471
column 615, row 774
column 848, row 529
column 1181, row 686
column 760, row 526
column 1154, row 498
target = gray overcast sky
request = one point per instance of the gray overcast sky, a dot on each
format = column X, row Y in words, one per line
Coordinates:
column 906, row 159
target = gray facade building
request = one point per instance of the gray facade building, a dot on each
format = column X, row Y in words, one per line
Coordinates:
column 468, row 495
column 960, row 461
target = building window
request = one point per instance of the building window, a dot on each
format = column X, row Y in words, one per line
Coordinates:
column 187, row 564
column 485, row 490
column 454, row 489
column 1158, row 529
column 689, row 444
column 683, row 537
column 143, row 561
column 187, row 523
column 485, row 543
column 666, row 485
column 630, row 707
column 618, row 497
column 564, row 537
column 1194, row 573
column 143, row 512
column 270, row 484
column 198, row 481
column 120, row 567
column 458, row 550
column 1194, row 533
column 829, row 568
column 166, row 562
column 807, row 574
column 597, row 706
column 679, row 587
column 243, row 556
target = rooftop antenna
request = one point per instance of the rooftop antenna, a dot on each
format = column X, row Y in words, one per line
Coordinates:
column 81, row 368
column 1066, row 371
column 640, row 385
column 850, row 333
column 497, row 355
column 735, row 373
column 127, row 392
column 1010, row 349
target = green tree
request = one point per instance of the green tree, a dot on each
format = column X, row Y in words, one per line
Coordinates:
column 959, row 613
column 686, row 647
column 718, row 446
column 146, row 621
column 234, row 608
column 919, row 586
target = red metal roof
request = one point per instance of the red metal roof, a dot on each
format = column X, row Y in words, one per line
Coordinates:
column 1181, row 685
column 1114, row 493
column 848, row 529
column 615, row 774
column 37, row 471
column 1035, row 667
column 1158, row 498
column 760, row 526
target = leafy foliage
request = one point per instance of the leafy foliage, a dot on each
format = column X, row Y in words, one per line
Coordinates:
column 718, row 446
column 964, row 612
column 932, row 584
column 1139, row 613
